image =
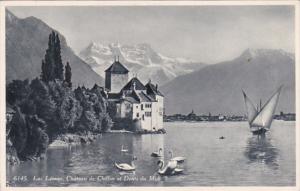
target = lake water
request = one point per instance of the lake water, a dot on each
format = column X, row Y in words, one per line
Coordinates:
column 241, row 159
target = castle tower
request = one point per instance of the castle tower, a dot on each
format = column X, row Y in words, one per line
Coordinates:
column 116, row 76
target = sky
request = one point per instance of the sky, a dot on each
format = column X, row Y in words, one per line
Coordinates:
column 209, row 34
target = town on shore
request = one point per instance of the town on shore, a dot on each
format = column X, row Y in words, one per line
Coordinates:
column 192, row 117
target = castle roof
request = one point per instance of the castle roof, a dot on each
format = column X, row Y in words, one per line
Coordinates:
column 145, row 98
column 118, row 68
column 138, row 85
column 114, row 95
column 132, row 97
column 151, row 89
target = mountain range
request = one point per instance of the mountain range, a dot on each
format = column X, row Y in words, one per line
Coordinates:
column 141, row 60
column 218, row 88
column 26, row 43
column 188, row 85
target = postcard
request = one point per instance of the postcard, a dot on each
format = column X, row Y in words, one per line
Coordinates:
column 149, row 95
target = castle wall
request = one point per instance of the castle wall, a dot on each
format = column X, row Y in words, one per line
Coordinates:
column 107, row 80
column 124, row 110
column 117, row 82
column 157, row 110
column 146, row 117
column 160, row 113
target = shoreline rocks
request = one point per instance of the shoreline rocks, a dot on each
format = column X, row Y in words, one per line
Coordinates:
column 66, row 140
column 69, row 139
column 143, row 131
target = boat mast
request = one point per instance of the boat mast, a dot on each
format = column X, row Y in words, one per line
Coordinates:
column 260, row 105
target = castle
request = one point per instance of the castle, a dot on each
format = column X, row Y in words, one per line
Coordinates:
column 141, row 105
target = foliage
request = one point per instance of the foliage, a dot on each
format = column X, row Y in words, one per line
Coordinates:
column 68, row 75
column 62, row 109
column 52, row 66
column 17, row 91
column 48, row 107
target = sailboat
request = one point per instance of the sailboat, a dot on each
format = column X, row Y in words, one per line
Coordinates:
column 260, row 118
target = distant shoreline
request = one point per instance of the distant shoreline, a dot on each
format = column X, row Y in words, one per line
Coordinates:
column 222, row 121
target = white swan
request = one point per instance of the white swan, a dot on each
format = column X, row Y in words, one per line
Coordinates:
column 123, row 149
column 169, row 169
column 125, row 166
column 178, row 159
column 157, row 153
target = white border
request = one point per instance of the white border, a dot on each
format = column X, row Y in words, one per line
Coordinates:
column 3, row 4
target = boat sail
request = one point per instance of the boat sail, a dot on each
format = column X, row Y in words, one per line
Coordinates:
column 260, row 119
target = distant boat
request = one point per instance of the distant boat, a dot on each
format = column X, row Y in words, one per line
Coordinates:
column 260, row 118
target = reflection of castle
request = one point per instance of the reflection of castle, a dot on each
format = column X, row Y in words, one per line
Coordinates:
column 133, row 100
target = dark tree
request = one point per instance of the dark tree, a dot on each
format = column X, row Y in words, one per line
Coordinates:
column 59, row 67
column 43, row 74
column 68, row 75
column 52, row 67
column 17, row 91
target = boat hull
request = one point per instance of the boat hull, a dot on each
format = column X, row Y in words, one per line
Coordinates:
column 261, row 131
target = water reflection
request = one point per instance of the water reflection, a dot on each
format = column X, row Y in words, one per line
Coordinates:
column 260, row 149
column 256, row 161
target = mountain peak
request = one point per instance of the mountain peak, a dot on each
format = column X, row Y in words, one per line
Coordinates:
column 252, row 53
column 31, row 36
column 139, row 58
column 10, row 16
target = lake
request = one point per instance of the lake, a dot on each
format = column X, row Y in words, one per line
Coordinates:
column 241, row 159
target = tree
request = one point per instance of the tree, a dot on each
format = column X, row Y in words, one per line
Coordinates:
column 52, row 67
column 17, row 91
column 48, row 64
column 68, row 75
column 59, row 67
column 44, row 73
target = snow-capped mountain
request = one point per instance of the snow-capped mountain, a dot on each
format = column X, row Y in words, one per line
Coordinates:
column 217, row 88
column 140, row 59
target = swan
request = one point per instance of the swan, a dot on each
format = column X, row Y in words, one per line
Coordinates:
column 178, row 159
column 125, row 166
column 123, row 149
column 157, row 153
column 169, row 169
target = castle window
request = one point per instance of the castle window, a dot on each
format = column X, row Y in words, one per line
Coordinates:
column 137, row 115
column 142, row 107
column 148, row 114
column 143, row 117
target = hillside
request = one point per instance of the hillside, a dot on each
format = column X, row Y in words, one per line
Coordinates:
column 26, row 43
column 217, row 88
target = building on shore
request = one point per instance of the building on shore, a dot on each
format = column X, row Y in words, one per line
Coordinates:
column 134, row 106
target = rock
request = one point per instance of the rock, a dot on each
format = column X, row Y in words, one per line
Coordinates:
column 91, row 139
column 83, row 140
column 43, row 156
column 58, row 143
column 71, row 140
